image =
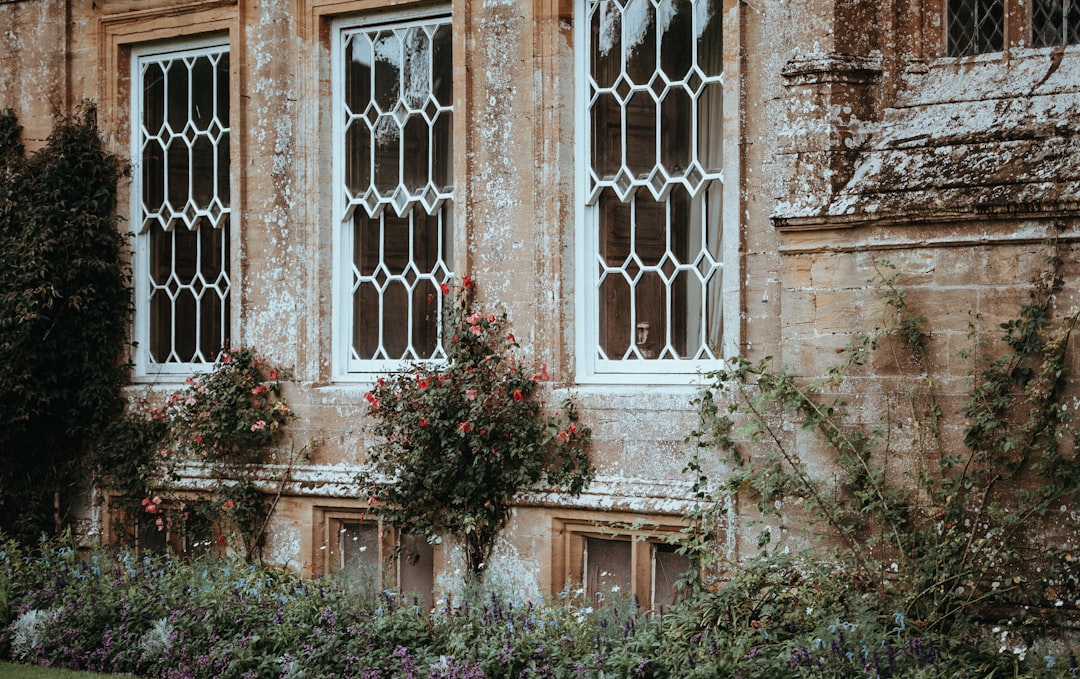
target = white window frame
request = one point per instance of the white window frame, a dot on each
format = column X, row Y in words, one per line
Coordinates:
column 344, row 367
column 591, row 368
column 145, row 369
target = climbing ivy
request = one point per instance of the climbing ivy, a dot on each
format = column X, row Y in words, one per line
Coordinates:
column 947, row 530
column 64, row 303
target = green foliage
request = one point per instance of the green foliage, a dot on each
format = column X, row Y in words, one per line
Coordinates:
column 231, row 415
column 967, row 536
column 458, row 439
column 228, row 420
column 158, row 617
column 127, row 460
column 64, row 302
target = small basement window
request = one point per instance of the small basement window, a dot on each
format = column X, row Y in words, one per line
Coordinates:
column 609, row 563
column 374, row 556
column 164, row 527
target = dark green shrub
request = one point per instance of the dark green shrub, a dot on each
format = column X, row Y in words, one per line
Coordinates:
column 64, row 303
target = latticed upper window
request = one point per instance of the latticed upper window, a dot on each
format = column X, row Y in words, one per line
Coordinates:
column 653, row 181
column 1055, row 22
column 979, row 26
column 976, row 26
column 180, row 206
column 393, row 101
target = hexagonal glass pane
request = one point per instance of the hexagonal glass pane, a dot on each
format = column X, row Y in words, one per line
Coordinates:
column 425, row 319
column 367, row 234
column 639, row 40
column 176, row 95
column 607, row 136
column 202, row 93
column 615, row 227
column 387, row 155
column 222, row 169
column 396, row 243
column 710, row 140
column 606, row 57
column 615, row 328
column 179, row 171
column 153, row 103
column 416, row 71
column 387, row 52
column 357, row 157
column 221, row 100
column 650, row 230
column 358, row 73
column 442, row 151
column 365, row 330
column 676, row 24
column 395, row 320
column 709, row 34
column 213, row 255
column 640, row 155
column 442, row 61
column 153, row 176
column 650, row 315
column 417, row 154
column 676, row 127
column 203, row 176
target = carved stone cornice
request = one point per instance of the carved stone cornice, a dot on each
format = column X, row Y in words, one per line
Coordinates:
column 819, row 69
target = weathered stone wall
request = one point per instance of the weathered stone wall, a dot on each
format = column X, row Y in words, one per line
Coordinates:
column 818, row 96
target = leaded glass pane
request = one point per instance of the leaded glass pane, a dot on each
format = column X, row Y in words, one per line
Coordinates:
column 1055, row 22
column 668, row 566
column 975, row 27
column 608, row 569
column 416, row 568
column 183, row 140
column 655, row 113
column 397, row 184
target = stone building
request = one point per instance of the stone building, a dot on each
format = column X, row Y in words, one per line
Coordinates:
column 646, row 186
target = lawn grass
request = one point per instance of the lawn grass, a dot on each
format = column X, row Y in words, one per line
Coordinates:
column 15, row 671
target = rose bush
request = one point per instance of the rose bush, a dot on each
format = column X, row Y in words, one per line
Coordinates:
column 457, row 439
column 232, row 414
column 228, row 420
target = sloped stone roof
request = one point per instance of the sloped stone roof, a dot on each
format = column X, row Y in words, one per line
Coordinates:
column 993, row 136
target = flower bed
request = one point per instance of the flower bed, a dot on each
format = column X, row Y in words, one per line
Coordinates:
column 162, row 618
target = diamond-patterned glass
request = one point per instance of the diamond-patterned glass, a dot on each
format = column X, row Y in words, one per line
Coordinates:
column 975, row 27
column 654, row 86
column 184, row 211
column 397, row 183
column 1055, row 22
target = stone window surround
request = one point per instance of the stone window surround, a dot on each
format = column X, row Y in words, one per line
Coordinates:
column 328, row 525
column 347, row 366
column 124, row 28
column 571, row 530
column 123, row 523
